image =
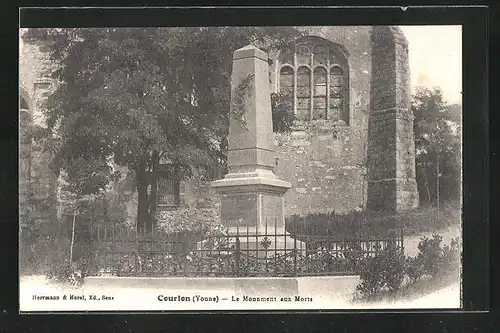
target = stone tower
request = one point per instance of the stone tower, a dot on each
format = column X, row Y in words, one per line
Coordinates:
column 391, row 147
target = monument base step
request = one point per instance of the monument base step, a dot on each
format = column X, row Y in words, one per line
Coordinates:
column 261, row 246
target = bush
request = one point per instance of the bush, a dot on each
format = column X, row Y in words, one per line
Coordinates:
column 384, row 272
column 414, row 268
column 387, row 271
column 450, row 258
column 434, row 259
column 438, row 260
column 430, row 254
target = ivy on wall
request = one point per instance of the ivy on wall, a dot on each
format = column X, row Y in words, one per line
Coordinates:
column 240, row 93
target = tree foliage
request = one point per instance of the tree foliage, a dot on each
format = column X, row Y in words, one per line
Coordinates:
column 282, row 113
column 438, row 131
column 139, row 95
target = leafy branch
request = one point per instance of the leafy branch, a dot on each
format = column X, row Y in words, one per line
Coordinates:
column 238, row 99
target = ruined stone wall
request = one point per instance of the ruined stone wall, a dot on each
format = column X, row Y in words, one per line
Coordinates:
column 391, row 150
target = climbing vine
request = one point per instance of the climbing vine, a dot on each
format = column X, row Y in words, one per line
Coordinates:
column 238, row 99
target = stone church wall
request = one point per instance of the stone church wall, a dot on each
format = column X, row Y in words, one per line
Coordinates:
column 324, row 159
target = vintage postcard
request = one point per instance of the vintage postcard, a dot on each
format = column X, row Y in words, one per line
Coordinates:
column 240, row 168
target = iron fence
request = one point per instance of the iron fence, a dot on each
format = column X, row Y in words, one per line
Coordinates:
column 240, row 252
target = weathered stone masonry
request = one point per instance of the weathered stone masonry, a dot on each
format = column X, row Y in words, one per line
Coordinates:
column 391, row 147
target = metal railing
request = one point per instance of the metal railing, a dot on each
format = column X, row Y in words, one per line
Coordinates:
column 242, row 252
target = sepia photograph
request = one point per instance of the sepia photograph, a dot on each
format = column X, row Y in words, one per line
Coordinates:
column 240, row 168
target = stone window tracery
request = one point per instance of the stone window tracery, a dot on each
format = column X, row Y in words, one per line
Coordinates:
column 303, row 91
column 319, row 102
column 314, row 77
column 336, row 92
column 286, row 83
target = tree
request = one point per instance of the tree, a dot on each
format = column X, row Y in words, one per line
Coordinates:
column 437, row 129
column 138, row 95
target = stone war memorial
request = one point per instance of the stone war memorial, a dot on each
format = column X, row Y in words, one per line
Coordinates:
column 265, row 170
column 251, row 194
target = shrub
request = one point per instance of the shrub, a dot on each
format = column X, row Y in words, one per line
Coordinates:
column 450, row 258
column 430, row 255
column 433, row 259
column 387, row 270
column 414, row 268
column 57, row 262
column 384, row 272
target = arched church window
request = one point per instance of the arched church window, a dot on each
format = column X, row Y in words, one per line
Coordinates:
column 316, row 79
column 303, row 92
column 286, row 83
column 319, row 103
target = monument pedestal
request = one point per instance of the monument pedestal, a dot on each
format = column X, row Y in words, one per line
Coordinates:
column 252, row 208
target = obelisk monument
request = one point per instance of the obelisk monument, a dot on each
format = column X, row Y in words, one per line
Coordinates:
column 251, row 195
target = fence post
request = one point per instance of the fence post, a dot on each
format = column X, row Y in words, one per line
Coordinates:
column 202, row 245
column 402, row 239
column 91, row 248
column 275, row 239
column 237, row 255
column 285, row 265
column 185, row 254
column 237, row 248
column 247, row 241
column 138, row 252
column 265, row 247
column 257, row 249
column 295, row 248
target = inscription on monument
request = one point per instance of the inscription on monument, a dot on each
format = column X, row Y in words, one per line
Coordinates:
column 239, row 207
